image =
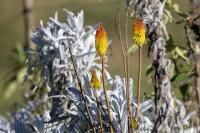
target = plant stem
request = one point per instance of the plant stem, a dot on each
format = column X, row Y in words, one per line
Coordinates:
column 127, row 72
column 119, row 35
column 139, row 79
column 124, row 55
column 81, row 88
column 99, row 110
column 106, row 96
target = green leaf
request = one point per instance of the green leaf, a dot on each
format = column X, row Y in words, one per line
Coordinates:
column 21, row 74
column 166, row 19
column 149, row 70
column 176, row 7
column 132, row 49
column 185, row 67
column 184, row 89
column 170, row 43
column 171, row 70
column 20, row 53
column 181, row 53
column 11, row 89
column 132, row 14
column 169, row 2
column 179, row 78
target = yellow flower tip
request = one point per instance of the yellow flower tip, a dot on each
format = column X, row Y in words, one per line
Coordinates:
column 134, row 123
column 95, row 82
column 101, row 42
column 138, row 32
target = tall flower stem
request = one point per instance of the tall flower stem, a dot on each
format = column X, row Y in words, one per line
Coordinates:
column 124, row 55
column 99, row 110
column 139, row 80
column 81, row 88
column 119, row 35
column 106, row 96
column 127, row 71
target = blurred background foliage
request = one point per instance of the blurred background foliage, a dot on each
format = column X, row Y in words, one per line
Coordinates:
column 12, row 56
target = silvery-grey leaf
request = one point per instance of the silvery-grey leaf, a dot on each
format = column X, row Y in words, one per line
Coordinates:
column 147, row 105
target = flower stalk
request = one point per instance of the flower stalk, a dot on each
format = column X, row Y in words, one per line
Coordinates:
column 99, row 111
column 139, row 79
column 124, row 51
column 101, row 44
column 82, row 92
column 127, row 71
column 95, row 84
column 106, row 96
column 138, row 36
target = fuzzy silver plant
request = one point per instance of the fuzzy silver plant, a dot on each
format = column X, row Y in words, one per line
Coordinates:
column 74, row 118
column 24, row 120
column 118, row 103
column 4, row 125
column 52, row 56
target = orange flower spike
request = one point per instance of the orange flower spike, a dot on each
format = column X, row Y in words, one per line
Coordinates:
column 95, row 82
column 101, row 41
column 138, row 32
